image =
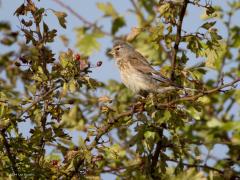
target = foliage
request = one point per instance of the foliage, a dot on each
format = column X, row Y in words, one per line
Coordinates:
column 161, row 136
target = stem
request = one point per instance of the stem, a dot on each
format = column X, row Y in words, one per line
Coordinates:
column 178, row 38
column 156, row 154
column 137, row 10
column 9, row 154
column 195, row 97
column 228, row 24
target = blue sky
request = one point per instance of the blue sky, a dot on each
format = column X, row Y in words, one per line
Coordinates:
column 87, row 8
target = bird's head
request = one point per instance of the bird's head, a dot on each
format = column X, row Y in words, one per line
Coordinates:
column 121, row 49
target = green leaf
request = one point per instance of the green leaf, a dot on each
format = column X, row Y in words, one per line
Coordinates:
column 87, row 41
column 61, row 18
column 149, row 135
column 194, row 113
column 208, row 25
column 214, row 56
column 107, row 9
column 214, row 123
column 66, row 58
column 117, row 24
column 164, row 8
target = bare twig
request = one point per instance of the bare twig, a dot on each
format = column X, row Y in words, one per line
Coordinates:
column 228, row 25
column 137, row 10
column 81, row 18
column 38, row 100
column 198, row 166
column 30, row 106
column 178, row 37
column 74, row 13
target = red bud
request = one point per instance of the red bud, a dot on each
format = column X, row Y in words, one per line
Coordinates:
column 99, row 63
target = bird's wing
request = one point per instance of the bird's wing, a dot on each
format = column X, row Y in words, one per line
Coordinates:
column 142, row 65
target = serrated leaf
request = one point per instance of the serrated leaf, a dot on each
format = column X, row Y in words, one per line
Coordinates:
column 214, row 56
column 87, row 41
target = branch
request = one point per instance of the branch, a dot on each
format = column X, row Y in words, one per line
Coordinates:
column 197, row 166
column 105, row 128
column 202, row 166
column 30, row 106
column 90, row 24
column 156, row 154
column 195, row 97
column 178, row 37
column 10, row 156
column 228, row 42
column 137, row 10
column 38, row 100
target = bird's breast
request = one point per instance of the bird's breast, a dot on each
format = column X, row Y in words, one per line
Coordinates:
column 135, row 80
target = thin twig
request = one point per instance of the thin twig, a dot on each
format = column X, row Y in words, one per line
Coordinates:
column 105, row 128
column 178, row 37
column 137, row 10
column 195, row 97
column 198, row 166
column 74, row 13
column 81, row 18
column 228, row 24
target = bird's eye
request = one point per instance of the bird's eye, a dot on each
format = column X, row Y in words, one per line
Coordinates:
column 117, row 49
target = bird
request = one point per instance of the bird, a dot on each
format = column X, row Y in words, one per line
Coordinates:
column 136, row 72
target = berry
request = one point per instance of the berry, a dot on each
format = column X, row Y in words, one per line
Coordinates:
column 77, row 57
column 54, row 162
column 99, row 63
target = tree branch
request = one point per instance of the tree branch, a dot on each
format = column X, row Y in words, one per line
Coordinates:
column 74, row 13
column 137, row 10
column 105, row 128
column 202, row 166
column 178, row 37
column 195, row 97
column 10, row 156
column 156, row 154
column 228, row 42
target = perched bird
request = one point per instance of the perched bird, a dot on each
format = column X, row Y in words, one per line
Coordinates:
column 136, row 73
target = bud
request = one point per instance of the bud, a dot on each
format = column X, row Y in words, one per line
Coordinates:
column 99, row 63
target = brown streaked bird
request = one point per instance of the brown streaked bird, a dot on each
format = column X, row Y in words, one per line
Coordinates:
column 136, row 73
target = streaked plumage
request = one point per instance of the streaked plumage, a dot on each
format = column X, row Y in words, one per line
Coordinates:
column 136, row 73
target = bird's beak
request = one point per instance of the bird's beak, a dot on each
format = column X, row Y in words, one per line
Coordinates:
column 111, row 52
